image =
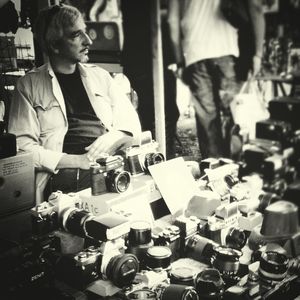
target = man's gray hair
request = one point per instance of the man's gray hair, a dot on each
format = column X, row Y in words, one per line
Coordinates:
column 50, row 24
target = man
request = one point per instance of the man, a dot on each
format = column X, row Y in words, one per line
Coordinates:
column 207, row 45
column 67, row 113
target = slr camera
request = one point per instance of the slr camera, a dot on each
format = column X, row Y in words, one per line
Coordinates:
column 106, row 262
column 108, row 175
column 139, row 158
column 272, row 277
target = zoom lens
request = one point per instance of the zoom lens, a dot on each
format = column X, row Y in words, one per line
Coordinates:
column 74, row 220
column 117, row 182
column 122, row 269
column 273, row 265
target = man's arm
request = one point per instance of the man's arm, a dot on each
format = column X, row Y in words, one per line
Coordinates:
column 173, row 20
column 258, row 25
column 24, row 123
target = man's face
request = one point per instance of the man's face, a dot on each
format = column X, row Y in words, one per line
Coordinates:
column 74, row 45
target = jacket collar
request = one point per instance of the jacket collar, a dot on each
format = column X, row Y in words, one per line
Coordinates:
column 81, row 68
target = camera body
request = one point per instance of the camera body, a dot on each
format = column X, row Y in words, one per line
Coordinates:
column 269, row 278
column 108, row 175
column 106, row 262
column 139, row 158
column 218, row 226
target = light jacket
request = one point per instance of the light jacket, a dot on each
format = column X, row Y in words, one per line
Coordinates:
column 38, row 114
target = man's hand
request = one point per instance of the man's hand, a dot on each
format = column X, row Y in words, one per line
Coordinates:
column 256, row 66
column 107, row 143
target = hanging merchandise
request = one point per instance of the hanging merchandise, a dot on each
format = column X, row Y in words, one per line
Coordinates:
column 248, row 107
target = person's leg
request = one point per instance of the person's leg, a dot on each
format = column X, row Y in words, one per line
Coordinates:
column 199, row 78
column 227, row 86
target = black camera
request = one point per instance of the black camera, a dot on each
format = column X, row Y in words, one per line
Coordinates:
column 107, row 262
column 140, row 157
column 24, row 270
column 270, row 278
column 108, row 175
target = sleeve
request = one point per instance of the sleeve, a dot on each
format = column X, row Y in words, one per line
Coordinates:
column 125, row 117
column 24, row 123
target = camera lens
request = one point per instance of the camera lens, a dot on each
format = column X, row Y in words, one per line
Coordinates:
column 183, row 276
column 200, row 248
column 158, row 257
column 179, row 292
column 273, row 265
column 142, row 294
column 236, row 238
column 226, row 260
column 118, row 181
column 153, row 159
column 74, row 221
column 209, row 284
column 140, row 233
column 122, row 269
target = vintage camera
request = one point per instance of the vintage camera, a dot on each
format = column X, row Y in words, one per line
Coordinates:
column 255, row 152
column 140, row 157
column 108, row 175
column 270, row 278
column 189, row 226
column 61, row 211
column 275, row 130
column 23, row 269
column 222, row 227
column 107, row 262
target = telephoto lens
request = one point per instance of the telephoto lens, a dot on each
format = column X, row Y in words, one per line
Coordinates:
column 273, row 266
column 139, row 240
column 73, row 220
column 177, row 292
column 183, row 276
column 158, row 258
column 209, row 284
column 200, row 248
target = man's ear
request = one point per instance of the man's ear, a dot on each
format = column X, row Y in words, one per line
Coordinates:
column 54, row 48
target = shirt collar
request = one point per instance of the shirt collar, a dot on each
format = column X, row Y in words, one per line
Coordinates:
column 81, row 69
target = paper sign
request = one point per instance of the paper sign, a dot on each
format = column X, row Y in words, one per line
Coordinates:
column 175, row 183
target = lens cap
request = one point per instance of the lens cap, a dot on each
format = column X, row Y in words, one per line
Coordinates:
column 122, row 269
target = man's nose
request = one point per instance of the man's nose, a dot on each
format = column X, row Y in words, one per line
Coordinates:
column 87, row 39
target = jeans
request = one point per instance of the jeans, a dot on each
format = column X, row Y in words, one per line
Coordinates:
column 213, row 85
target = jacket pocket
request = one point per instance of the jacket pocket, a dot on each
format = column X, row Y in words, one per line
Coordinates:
column 50, row 116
